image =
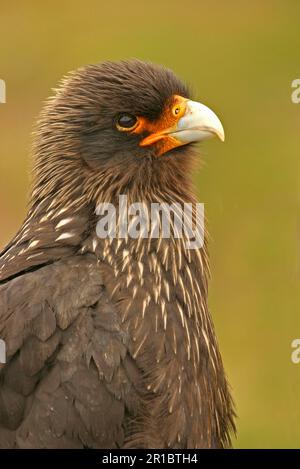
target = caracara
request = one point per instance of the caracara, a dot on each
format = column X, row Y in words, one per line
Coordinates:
column 109, row 341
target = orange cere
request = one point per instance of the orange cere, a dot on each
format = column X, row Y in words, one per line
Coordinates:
column 158, row 131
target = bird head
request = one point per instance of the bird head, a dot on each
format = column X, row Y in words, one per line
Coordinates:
column 117, row 119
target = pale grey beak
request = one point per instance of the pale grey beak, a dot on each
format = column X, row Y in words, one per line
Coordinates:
column 198, row 123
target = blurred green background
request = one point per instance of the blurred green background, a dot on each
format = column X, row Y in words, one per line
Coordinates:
column 240, row 57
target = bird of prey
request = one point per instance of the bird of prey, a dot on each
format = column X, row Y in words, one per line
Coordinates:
column 109, row 341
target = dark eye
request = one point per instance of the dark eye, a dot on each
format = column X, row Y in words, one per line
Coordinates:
column 126, row 122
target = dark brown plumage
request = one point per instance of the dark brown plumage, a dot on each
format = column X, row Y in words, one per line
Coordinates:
column 110, row 343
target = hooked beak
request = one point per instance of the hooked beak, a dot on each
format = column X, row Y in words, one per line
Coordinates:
column 196, row 122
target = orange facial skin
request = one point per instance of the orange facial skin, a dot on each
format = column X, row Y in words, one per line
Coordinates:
column 159, row 131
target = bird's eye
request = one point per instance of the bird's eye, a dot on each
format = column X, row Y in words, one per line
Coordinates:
column 176, row 110
column 126, row 122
